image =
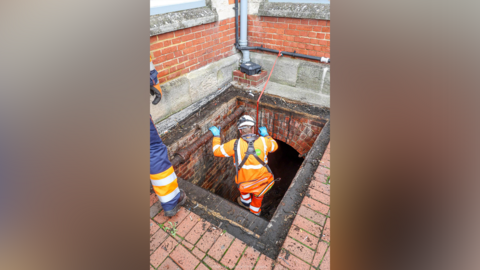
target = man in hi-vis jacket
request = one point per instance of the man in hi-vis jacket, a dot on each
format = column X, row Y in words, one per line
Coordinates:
column 254, row 178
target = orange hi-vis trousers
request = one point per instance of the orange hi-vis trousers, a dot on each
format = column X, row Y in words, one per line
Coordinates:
column 252, row 169
column 252, row 201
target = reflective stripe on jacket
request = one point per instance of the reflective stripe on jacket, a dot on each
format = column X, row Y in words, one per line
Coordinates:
column 252, row 169
column 162, row 175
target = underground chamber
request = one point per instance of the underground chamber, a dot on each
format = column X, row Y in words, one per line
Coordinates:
column 302, row 134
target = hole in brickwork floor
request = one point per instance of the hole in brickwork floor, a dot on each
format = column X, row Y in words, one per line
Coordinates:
column 302, row 132
column 293, row 125
column 220, row 173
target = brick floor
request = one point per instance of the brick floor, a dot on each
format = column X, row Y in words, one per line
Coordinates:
column 212, row 263
column 184, row 258
column 280, row 267
column 312, row 215
column 201, row 266
column 299, row 250
column 326, row 261
column 220, row 246
column 324, row 171
column 210, row 236
column 264, row 263
column 160, row 218
column 198, row 253
column 201, row 246
column 153, row 199
column 187, row 224
column 197, row 231
column 179, row 217
column 248, row 259
column 153, row 228
column 326, row 163
column 326, row 231
column 288, row 260
column 162, row 251
column 157, row 239
column 188, row 245
column 322, row 247
column 320, row 177
column 304, row 237
column 315, row 205
column 324, row 188
column 318, row 196
column 307, row 225
column 233, row 253
column 168, row 264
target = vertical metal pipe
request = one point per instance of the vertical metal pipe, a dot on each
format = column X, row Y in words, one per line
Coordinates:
column 236, row 23
column 243, row 29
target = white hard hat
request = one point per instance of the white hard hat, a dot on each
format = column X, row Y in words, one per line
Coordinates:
column 245, row 121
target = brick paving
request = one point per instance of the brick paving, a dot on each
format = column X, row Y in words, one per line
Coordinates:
column 199, row 245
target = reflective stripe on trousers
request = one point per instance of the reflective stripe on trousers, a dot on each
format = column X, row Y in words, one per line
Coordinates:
column 162, row 175
column 166, row 187
column 255, row 202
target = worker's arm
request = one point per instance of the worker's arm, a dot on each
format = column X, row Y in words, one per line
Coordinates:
column 223, row 150
column 219, row 149
column 272, row 145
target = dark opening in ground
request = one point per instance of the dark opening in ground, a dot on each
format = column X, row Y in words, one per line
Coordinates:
column 284, row 164
column 209, row 181
column 217, row 174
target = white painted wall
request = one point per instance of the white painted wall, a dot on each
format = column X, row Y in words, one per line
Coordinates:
column 225, row 11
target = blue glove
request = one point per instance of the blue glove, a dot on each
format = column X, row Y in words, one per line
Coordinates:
column 215, row 131
column 263, row 131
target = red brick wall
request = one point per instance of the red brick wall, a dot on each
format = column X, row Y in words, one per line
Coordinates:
column 298, row 131
column 202, row 168
column 205, row 170
column 250, row 80
column 217, row 173
column 179, row 52
column 305, row 36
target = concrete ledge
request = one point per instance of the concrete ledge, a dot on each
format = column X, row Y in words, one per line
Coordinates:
column 295, row 79
column 295, row 10
column 168, row 22
column 294, row 93
column 286, row 69
column 181, row 92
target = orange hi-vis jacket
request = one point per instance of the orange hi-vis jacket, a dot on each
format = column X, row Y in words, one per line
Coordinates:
column 252, row 169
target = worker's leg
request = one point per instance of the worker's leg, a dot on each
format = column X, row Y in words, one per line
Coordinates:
column 245, row 198
column 162, row 175
column 256, row 204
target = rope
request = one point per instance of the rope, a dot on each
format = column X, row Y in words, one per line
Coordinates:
column 264, row 87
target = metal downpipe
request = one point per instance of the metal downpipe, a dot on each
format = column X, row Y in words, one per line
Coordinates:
column 243, row 30
column 243, row 42
column 236, row 23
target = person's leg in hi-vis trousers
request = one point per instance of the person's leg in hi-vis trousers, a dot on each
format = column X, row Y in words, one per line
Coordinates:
column 162, row 175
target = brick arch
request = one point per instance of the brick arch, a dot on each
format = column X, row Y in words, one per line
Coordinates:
column 298, row 131
column 287, row 141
